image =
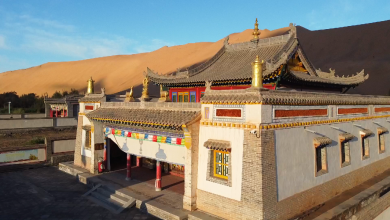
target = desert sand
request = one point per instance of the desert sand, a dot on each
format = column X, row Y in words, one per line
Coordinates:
column 116, row 73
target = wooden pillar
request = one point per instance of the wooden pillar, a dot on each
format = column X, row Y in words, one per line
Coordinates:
column 157, row 185
column 128, row 176
column 139, row 161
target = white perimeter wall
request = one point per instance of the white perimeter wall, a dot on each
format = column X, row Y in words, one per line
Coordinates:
column 295, row 154
column 63, row 146
column 236, row 138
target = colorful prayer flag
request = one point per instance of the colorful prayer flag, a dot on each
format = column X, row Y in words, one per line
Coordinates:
column 113, row 131
column 129, row 134
column 154, row 138
column 123, row 133
column 173, row 140
column 141, row 136
column 168, row 140
column 178, row 141
column 137, row 135
column 150, row 137
column 159, row 138
column 163, row 139
column 183, row 141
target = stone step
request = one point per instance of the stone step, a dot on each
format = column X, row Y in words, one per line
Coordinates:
column 103, row 204
column 117, row 191
column 122, row 200
column 107, row 199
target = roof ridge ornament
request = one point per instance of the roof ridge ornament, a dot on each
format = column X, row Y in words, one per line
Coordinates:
column 257, row 73
column 256, row 32
column 90, row 89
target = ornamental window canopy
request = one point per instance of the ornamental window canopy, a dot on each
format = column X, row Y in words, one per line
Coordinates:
column 366, row 133
column 322, row 141
column 87, row 127
column 382, row 130
column 346, row 136
column 220, row 145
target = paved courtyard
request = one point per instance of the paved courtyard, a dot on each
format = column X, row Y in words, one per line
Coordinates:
column 48, row 193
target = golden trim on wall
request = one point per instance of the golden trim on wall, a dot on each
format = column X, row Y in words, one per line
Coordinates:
column 286, row 125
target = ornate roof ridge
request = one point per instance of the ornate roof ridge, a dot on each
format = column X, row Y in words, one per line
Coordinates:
column 276, row 97
column 169, row 106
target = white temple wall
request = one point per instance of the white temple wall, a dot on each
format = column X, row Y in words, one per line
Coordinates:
column 295, row 154
column 236, row 138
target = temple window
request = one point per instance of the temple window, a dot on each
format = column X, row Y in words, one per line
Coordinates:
column 88, row 139
column 365, row 148
column 381, row 139
column 88, row 107
column 174, row 96
column 321, row 164
column 192, row 96
column 201, row 94
column 219, row 165
column 221, row 161
column 183, row 96
column 345, row 154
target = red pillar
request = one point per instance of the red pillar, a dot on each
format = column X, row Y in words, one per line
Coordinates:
column 138, row 161
column 105, row 153
column 128, row 177
column 157, row 184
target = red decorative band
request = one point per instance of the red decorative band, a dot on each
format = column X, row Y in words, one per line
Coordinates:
column 303, row 112
column 228, row 113
column 89, row 107
column 346, row 111
column 385, row 109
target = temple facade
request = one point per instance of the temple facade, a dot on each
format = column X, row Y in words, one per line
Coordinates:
column 262, row 135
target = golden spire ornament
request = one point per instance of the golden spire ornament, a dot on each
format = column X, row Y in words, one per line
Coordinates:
column 257, row 73
column 256, row 32
column 90, row 89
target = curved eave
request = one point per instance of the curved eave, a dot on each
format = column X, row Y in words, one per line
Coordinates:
column 305, row 78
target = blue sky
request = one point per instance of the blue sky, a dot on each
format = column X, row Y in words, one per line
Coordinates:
column 41, row 31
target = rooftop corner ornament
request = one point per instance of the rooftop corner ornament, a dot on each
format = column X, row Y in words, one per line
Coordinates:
column 257, row 73
column 90, row 89
column 256, row 32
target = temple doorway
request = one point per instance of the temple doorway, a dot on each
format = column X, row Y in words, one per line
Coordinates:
column 118, row 158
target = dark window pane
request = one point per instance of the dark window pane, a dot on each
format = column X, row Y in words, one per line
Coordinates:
column 193, row 98
column 185, row 98
column 174, row 98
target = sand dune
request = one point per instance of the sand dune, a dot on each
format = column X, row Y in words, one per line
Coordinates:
column 115, row 73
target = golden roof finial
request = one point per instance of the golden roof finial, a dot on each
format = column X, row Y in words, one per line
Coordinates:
column 257, row 73
column 256, row 32
column 90, row 89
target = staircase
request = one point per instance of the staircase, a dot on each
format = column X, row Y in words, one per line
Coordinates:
column 110, row 199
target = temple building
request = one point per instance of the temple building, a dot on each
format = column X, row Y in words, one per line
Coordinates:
column 286, row 67
column 62, row 107
column 262, row 135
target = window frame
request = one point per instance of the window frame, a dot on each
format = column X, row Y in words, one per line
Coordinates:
column 381, row 136
column 174, row 94
column 211, row 169
column 88, row 139
column 365, row 153
column 223, row 163
column 324, row 161
column 347, row 158
column 192, row 93
column 182, row 95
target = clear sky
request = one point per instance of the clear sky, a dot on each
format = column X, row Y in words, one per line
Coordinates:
column 41, row 31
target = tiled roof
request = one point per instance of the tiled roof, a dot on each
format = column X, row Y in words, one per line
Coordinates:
column 217, row 145
column 233, row 63
column 277, row 97
column 92, row 98
column 321, row 141
column 346, row 136
column 145, row 116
